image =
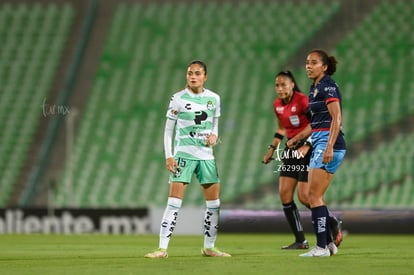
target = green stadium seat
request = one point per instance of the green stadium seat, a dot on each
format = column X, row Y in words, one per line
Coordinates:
column 32, row 36
column 391, row 48
column 133, row 109
column 119, row 161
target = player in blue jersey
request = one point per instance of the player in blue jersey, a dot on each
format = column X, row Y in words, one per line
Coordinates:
column 193, row 112
column 327, row 141
column 291, row 110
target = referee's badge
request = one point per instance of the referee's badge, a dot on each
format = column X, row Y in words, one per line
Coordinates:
column 294, row 120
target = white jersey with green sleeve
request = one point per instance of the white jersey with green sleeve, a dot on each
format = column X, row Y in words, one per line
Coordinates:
column 194, row 114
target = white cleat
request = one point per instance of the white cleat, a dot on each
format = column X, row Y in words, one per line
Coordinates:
column 317, row 252
column 333, row 249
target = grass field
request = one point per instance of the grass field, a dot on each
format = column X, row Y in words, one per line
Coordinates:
column 252, row 254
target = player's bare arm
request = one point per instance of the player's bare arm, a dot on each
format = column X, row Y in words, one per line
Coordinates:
column 269, row 154
column 335, row 112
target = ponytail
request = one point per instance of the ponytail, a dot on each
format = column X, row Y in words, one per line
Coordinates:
column 330, row 61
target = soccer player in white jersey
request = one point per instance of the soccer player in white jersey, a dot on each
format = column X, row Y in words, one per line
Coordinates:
column 193, row 113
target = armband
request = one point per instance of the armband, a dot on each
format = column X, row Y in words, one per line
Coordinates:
column 308, row 141
column 279, row 136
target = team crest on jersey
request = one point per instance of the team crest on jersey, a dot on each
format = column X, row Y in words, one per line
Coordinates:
column 330, row 90
column 315, row 92
column 210, row 105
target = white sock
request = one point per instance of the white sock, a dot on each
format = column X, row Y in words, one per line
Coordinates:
column 169, row 220
column 211, row 219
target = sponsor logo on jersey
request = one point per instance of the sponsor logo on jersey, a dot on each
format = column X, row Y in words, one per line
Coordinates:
column 198, row 135
column 280, row 109
column 200, row 116
column 330, row 89
column 188, row 106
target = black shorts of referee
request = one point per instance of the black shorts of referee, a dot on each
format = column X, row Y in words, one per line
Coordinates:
column 294, row 165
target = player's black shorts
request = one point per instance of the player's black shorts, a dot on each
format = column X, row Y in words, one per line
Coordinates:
column 293, row 165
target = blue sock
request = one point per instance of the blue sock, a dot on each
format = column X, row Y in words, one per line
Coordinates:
column 319, row 220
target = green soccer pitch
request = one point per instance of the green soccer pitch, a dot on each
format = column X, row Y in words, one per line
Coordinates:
column 251, row 254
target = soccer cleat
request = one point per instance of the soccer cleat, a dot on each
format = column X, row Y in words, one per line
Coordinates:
column 297, row 245
column 159, row 253
column 317, row 252
column 333, row 249
column 214, row 252
column 336, row 229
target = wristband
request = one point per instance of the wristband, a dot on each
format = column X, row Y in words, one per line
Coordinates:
column 309, row 141
column 279, row 136
column 271, row 146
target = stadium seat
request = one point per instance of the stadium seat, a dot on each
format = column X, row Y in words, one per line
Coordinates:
column 391, row 49
column 142, row 66
column 119, row 157
column 33, row 37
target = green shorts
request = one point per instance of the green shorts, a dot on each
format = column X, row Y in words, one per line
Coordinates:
column 205, row 171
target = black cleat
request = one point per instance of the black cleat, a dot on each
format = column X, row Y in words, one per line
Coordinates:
column 336, row 229
column 297, row 245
